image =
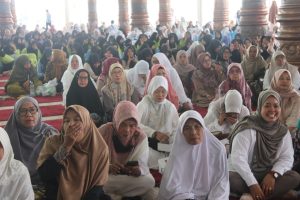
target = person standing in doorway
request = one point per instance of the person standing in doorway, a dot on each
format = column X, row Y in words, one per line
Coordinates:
column 48, row 19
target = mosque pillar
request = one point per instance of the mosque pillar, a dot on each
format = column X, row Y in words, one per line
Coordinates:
column 93, row 18
column 139, row 14
column 253, row 21
column 221, row 14
column 6, row 18
column 124, row 16
column 289, row 31
column 13, row 11
column 165, row 13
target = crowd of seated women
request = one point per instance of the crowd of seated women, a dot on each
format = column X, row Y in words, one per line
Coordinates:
column 227, row 115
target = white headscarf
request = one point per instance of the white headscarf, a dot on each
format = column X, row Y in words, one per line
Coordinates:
column 155, row 83
column 195, row 171
column 69, row 75
column 132, row 75
column 14, row 179
column 174, row 77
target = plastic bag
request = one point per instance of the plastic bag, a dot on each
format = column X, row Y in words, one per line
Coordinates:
column 49, row 89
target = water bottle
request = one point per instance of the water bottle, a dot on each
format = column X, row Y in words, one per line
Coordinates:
column 31, row 89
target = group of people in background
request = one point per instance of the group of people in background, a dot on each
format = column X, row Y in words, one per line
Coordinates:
column 227, row 107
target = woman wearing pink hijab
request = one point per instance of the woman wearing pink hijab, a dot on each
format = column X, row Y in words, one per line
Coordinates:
column 290, row 98
column 129, row 175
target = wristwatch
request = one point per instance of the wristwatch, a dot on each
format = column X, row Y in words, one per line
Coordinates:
column 274, row 174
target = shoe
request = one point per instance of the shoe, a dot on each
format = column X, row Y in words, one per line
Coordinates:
column 246, row 196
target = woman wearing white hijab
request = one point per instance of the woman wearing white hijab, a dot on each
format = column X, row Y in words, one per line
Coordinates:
column 159, row 118
column 137, row 76
column 14, row 180
column 224, row 113
column 279, row 61
column 197, row 166
column 160, row 58
column 75, row 63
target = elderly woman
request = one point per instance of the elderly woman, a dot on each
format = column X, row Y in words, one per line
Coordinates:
column 197, row 166
column 83, row 92
column 160, row 58
column 15, row 180
column 236, row 81
column 117, row 89
column 279, row 61
column 224, row 113
column 137, row 76
column 159, row 118
column 129, row 174
column 261, row 153
column 185, row 71
column 206, row 81
column 290, row 98
column 75, row 63
column 28, row 133
column 74, row 165
column 23, row 74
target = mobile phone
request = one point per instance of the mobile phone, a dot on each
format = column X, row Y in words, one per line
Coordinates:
column 132, row 163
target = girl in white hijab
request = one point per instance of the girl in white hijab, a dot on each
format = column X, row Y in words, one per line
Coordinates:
column 14, row 180
column 137, row 76
column 159, row 118
column 197, row 166
column 75, row 63
column 160, row 58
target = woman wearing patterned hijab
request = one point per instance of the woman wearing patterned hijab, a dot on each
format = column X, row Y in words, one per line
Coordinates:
column 261, row 153
column 117, row 89
column 236, row 81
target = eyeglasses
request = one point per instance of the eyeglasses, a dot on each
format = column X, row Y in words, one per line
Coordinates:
column 32, row 111
column 83, row 77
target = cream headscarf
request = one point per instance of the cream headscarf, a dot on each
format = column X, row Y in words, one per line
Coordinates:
column 289, row 98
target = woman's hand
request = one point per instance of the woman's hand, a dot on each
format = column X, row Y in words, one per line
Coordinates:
column 71, row 135
column 221, row 118
column 268, row 184
column 115, row 168
column 26, row 85
column 132, row 170
column 162, row 137
column 256, row 192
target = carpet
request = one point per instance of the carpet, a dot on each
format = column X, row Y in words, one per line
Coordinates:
column 51, row 107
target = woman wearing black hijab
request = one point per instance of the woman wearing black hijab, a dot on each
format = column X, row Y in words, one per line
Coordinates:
column 83, row 92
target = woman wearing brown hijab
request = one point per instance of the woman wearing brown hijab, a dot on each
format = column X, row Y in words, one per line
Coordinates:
column 74, row 165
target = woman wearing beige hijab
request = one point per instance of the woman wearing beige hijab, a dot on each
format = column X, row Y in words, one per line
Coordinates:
column 290, row 98
column 74, row 165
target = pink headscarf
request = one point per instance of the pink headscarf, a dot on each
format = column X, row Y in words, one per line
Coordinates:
column 106, row 65
column 172, row 95
column 240, row 85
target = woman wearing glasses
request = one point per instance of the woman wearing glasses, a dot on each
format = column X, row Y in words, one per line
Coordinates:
column 27, row 134
column 83, row 92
